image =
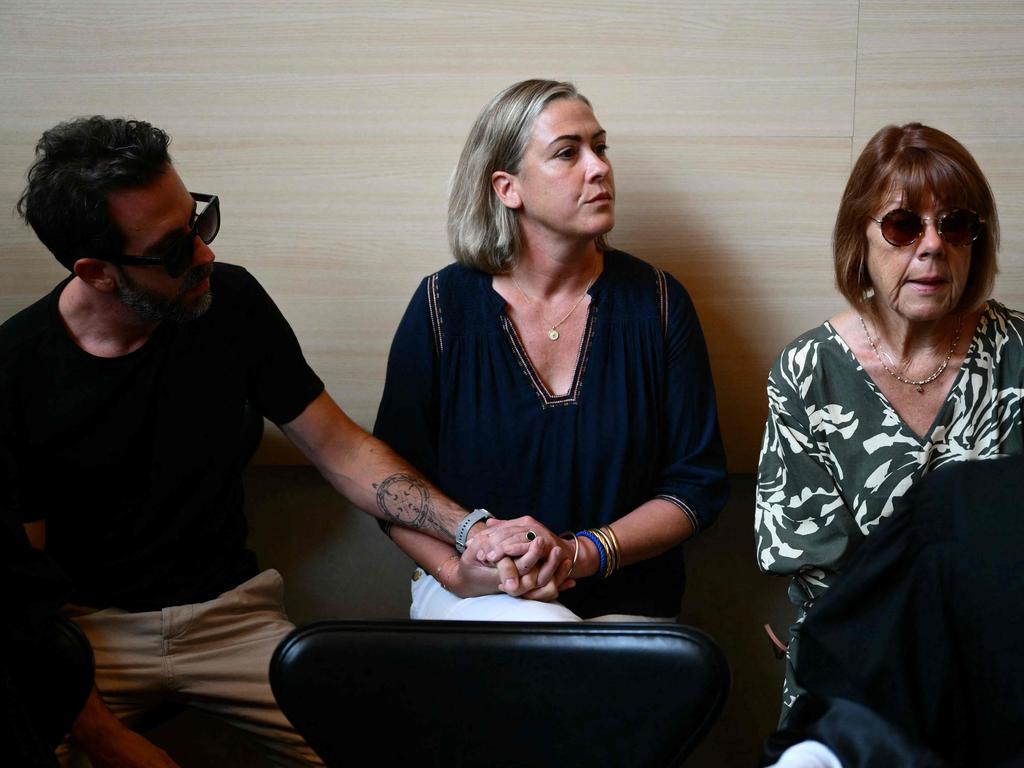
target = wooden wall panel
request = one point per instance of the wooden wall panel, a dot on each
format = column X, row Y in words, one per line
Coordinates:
column 964, row 74
column 744, row 223
column 956, row 66
column 330, row 131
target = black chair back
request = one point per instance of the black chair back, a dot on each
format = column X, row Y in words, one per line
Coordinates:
column 495, row 694
column 46, row 675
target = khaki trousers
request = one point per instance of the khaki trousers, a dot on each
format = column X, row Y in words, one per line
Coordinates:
column 212, row 656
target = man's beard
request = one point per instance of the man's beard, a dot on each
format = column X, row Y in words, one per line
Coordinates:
column 179, row 309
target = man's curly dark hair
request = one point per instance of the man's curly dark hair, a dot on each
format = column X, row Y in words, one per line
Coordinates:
column 77, row 163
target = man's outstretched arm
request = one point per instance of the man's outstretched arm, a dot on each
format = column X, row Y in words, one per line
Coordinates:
column 369, row 473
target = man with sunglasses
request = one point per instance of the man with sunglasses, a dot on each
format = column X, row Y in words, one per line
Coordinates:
column 131, row 397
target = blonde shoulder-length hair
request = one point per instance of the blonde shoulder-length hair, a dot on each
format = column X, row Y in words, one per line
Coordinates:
column 482, row 232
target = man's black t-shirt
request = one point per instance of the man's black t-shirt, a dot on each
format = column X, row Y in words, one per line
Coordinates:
column 135, row 462
column 31, row 587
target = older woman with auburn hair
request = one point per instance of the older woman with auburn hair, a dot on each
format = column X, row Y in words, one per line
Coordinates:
column 919, row 372
column 545, row 374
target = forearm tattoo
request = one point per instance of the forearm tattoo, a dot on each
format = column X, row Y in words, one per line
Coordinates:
column 405, row 500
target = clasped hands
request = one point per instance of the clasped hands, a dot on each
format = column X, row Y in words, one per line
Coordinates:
column 521, row 556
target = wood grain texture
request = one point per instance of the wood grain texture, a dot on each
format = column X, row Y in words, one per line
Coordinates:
column 957, row 66
column 330, row 130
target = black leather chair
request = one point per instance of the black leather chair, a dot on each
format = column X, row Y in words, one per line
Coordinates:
column 46, row 674
column 500, row 694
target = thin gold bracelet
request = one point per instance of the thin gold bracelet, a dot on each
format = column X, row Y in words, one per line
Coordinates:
column 437, row 571
column 615, row 546
column 575, row 552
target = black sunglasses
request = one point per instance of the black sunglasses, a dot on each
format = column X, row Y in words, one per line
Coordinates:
column 901, row 227
column 177, row 257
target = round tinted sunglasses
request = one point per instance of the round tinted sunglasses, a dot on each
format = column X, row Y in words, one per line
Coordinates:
column 176, row 258
column 901, row 227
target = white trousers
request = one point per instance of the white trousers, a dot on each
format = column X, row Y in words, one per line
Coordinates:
column 432, row 601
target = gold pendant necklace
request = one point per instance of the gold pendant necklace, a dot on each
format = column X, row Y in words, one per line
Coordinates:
column 919, row 384
column 553, row 330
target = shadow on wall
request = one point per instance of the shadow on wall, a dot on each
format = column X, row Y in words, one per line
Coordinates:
column 677, row 238
column 728, row 597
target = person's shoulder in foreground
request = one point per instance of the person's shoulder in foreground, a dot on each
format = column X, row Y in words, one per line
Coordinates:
column 915, row 652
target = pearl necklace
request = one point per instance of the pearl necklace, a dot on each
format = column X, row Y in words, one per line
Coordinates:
column 918, row 383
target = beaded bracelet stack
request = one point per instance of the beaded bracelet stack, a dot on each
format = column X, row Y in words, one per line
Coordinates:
column 607, row 544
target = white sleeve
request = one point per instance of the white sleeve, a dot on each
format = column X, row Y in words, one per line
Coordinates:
column 808, row 754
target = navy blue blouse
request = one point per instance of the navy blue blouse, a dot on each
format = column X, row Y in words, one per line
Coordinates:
column 463, row 403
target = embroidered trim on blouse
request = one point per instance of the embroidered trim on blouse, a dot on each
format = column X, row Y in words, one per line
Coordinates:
column 433, row 302
column 662, row 299
column 548, row 400
column 683, row 506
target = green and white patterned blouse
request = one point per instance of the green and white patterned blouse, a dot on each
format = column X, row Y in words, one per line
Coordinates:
column 836, row 456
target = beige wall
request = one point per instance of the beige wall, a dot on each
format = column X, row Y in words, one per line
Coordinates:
column 330, row 129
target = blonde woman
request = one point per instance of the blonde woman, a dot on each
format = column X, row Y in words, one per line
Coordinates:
column 546, row 374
